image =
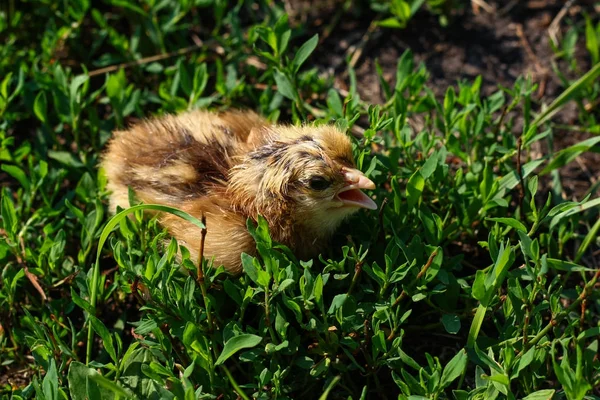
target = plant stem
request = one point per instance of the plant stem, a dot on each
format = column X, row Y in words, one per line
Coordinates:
column 200, row 276
column 419, row 276
column 381, row 236
column 175, row 344
column 561, row 315
column 268, row 316
column 521, row 181
column 357, row 272
column 93, row 298
column 404, row 293
column 331, row 385
column 236, row 387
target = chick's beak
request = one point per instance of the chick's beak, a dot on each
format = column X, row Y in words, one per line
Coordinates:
column 351, row 195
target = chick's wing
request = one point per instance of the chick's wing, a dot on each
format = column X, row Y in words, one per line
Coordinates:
column 176, row 159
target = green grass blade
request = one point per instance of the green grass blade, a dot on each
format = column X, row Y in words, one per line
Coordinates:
column 476, row 325
column 568, row 154
column 565, row 96
column 331, row 385
column 574, row 210
column 589, row 238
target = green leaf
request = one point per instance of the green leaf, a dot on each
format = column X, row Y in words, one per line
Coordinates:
column 415, row 6
column 76, row 84
column 66, row 158
column 200, row 79
column 129, row 6
column 591, row 40
column 18, row 174
column 281, row 34
column 588, row 240
column 592, row 332
column 414, row 189
column 575, row 209
column 449, row 101
column 451, row 323
column 335, row 103
column 9, row 215
column 284, row 284
column 185, row 83
column 546, row 394
column 260, row 232
column 401, row 9
column 40, row 106
column 506, row 258
column 518, row 225
column 110, row 385
column 249, row 267
column 460, row 395
column 454, row 368
column 511, row 180
column 476, row 325
column 329, row 387
column 391, row 22
column 4, row 86
column 430, row 165
column 284, row 86
column 527, row 359
column 264, row 278
column 280, row 323
column 487, row 359
column 304, row 52
column 568, row 266
column 115, row 84
column 436, row 264
column 80, row 386
column 574, row 385
column 337, row 302
column 237, row 343
column 81, row 302
column 318, row 290
column 50, row 383
column 479, row 289
column 294, row 307
column 106, row 337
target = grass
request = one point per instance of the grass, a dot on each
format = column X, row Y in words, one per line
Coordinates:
column 475, row 279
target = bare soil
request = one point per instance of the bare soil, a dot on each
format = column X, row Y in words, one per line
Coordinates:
column 508, row 40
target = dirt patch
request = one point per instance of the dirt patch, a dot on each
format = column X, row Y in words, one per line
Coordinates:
column 511, row 39
column 14, row 378
column 499, row 45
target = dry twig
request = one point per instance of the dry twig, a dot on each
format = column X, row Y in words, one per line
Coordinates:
column 360, row 47
column 540, row 70
column 32, row 278
column 554, row 28
column 476, row 4
column 158, row 57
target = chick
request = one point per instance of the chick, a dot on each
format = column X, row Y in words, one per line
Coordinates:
column 232, row 166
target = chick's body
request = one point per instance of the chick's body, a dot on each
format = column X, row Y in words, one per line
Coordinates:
column 233, row 166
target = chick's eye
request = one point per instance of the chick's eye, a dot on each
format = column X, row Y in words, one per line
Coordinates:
column 318, row 182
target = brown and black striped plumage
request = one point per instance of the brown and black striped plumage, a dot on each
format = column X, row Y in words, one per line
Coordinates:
column 233, row 166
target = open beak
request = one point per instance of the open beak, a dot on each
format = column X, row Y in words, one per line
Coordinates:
column 351, row 194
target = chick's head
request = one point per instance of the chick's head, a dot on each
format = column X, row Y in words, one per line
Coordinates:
column 308, row 171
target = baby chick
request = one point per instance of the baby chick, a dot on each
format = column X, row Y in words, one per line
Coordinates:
column 232, row 166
